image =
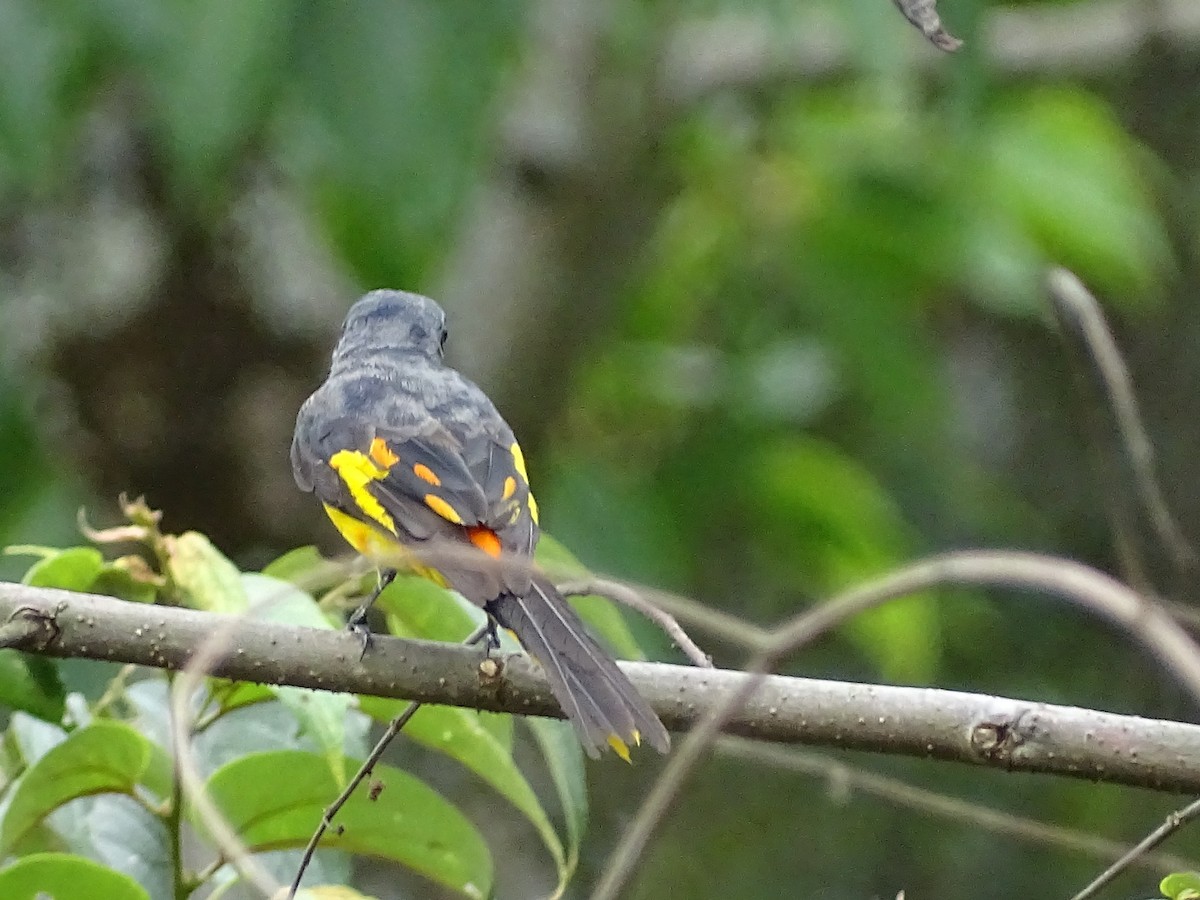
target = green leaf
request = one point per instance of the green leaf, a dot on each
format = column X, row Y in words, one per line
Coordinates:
column 65, row 877
column 84, row 569
column 31, row 738
column 416, row 607
column 104, row 757
column 465, row 735
column 207, row 579
column 1062, row 164
column 274, row 800
column 231, row 695
column 1181, row 886
column 32, row 683
column 307, row 569
column 74, row 569
column 564, row 758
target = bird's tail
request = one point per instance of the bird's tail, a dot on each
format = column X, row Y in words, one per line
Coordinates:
column 594, row 693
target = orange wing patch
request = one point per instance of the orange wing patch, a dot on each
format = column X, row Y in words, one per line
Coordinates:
column 382, row 453
column 427, row 474
column 485, row 539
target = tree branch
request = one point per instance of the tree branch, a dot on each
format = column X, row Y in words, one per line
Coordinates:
column 1003, row 733
column 1113, row 410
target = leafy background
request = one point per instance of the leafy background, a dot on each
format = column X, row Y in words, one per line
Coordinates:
column 763, row 331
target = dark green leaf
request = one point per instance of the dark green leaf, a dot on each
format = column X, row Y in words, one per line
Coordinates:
column 116, row 580
column 273, row 801
column 231, row 695
column 31, row 683
column 564, row 758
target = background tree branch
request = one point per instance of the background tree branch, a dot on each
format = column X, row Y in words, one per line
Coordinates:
column 748, row 52
column 985, row 730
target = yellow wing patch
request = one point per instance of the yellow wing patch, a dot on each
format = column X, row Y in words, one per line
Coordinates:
column 510, row 487
column 519, row 465
column 519, row 461
column 357, row 471
column 366, row 539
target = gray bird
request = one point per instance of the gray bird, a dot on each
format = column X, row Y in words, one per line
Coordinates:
column 408, row 455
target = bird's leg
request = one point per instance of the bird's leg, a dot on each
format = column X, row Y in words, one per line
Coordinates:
column 491, row 637
column 357, row 623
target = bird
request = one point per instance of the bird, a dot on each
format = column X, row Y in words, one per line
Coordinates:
column 417, row 469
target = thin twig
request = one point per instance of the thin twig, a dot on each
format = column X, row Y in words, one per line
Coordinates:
column 332, row 810
column 1083, row 320
column 628, row 596
column 368, row 766
column 1173, row 822
column 1086, row 587
column 707, row 618
column 892, row 790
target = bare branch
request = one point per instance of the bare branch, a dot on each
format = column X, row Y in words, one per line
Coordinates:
column 752, row 52
column 1096, row 592
column 1136, row 854
column 1088, row 334
column 843, row 777
column 1008, row 734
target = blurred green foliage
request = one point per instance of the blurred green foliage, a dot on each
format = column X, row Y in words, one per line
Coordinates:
column 829, row 356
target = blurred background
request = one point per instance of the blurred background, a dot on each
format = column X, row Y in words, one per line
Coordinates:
column 758, row 284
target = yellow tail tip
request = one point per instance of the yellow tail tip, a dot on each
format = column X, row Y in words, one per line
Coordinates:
column 620, row 747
